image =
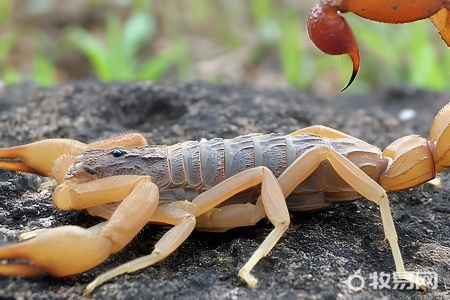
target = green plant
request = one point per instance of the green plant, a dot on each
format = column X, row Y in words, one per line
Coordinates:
column 280, row 28
column 291, row 53
column 116, row 57
column 44, row 71
column 43, row 68
column 7, row 42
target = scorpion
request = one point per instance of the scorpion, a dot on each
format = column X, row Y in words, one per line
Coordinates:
column 210, row 185
column 330, row 32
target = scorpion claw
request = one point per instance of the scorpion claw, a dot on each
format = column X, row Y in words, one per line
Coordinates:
column 329, row 31
column 58, row 252
column 39, row 157
column 24, row 270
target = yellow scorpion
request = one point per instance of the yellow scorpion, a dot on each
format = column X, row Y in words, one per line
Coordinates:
column 209, row 185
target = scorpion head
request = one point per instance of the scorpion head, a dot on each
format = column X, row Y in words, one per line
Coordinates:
column 100, row 163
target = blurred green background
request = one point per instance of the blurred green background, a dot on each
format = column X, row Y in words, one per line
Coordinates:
column 259, row 41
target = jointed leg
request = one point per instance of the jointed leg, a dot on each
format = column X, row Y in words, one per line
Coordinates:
column 73, row 195
column 231, row 216
column 272, row 200
column 358, row 180
column 323, row 131
column 171, row 240
column 181, row 214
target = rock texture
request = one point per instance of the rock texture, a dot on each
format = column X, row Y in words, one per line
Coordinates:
column 319, row 251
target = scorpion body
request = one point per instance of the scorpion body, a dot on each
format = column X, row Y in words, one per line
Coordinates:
column 210, row 185
column 184, row 170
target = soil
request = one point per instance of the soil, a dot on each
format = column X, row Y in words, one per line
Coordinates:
column 311, row 261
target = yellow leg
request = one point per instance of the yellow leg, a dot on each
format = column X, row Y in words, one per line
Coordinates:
column 274, row 206
column 358, row 180
column 231, row 216
column 184, row 224
column 73, row 195
column 323, row 131
column 182, row 213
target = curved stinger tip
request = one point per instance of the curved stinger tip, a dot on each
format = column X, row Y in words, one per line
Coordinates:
column 352, row 78
column 329, row 31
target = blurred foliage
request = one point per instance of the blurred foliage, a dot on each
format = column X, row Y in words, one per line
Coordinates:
column 261, row 41
column 116, row 58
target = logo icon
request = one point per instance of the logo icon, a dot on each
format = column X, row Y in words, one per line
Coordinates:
column 355, row 282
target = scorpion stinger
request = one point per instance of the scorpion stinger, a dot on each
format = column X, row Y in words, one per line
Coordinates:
column 330, row 32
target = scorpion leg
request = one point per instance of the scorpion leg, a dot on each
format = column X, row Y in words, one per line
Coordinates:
column 274, row 206
column 358, row 180
column 69, row 250
column 230, row 216
column 323, row 131
column 215, row 219
column 169, row 214
column 271, row 203
column 183, row 215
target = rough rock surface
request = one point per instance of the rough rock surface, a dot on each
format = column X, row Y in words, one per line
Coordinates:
column 318, row 252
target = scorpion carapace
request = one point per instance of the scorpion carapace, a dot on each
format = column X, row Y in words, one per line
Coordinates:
column 189, row 185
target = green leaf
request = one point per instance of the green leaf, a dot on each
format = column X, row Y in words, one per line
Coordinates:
column 425, row 68
column 6, row 8
column 261, row 10
column 138, row 30
column 44, row 72
column 94, row 51
column 11, row 76
column 290, row 51
column 119, row 62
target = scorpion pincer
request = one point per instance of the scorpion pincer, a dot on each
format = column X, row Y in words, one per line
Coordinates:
column 210, row 185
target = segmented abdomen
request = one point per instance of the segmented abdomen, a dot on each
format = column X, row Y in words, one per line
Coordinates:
column 202, row 165
column 207, row 163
